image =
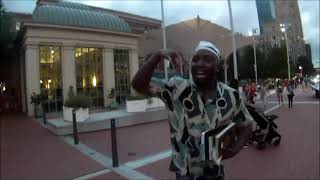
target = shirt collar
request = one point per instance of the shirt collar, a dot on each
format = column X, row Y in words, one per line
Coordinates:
column 210, row 99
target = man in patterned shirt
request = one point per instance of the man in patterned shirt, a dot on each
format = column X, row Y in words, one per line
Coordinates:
column 195, row 106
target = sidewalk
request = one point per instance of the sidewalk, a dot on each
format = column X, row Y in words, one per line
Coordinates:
column 29, row 151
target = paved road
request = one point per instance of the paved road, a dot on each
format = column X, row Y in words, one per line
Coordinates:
column 29, row 151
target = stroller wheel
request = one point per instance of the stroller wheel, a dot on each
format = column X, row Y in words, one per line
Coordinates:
column 261, row 145
column 276, row 142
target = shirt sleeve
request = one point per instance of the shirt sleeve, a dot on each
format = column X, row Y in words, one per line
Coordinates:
column 157, row 85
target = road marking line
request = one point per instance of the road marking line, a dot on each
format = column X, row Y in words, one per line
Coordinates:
column 271, row 109
column 106, row 161
column 92, row 175
column 149, row 159
column 295, row 102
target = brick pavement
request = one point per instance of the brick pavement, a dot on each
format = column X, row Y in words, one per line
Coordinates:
column 29, row 151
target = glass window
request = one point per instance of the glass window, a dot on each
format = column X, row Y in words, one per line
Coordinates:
column 89, row 76
column 122, row 74
column 50, row 77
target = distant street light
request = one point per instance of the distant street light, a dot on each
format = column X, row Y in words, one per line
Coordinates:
column 284, row 29
column 254, row 30
column 300, row 68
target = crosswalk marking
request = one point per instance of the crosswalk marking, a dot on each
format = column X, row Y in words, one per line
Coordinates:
column 122, row 170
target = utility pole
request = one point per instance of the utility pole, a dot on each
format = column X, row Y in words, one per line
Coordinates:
column 165, row 63
column 235, row 65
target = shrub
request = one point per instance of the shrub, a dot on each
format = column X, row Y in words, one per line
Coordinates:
column 37, row 99
column 77, row 101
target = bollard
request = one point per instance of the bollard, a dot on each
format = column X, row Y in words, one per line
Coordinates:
column 75, row 130
column 44, row 116
column 115, row 162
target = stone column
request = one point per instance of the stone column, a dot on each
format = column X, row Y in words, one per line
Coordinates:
column 68, row 70
column 134, row 65
column 32, row 74
column 108, row 74
column 22, row 80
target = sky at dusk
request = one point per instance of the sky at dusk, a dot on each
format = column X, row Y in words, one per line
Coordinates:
column 244, row 13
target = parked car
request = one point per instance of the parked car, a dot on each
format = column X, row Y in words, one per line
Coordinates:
column 316, row 85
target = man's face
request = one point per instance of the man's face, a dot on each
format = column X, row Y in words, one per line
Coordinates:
column 204, row 67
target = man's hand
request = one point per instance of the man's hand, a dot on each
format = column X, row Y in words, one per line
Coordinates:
column 173, row 56
column 234, row 142
column 141, row 81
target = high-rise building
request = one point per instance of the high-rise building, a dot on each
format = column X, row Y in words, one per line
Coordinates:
column 272, row 13
column 308, row 52
column 266, row 12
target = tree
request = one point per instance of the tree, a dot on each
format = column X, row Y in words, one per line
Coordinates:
column 7, row 35
column 271, row 63
column 306, row 64
column 276, row 63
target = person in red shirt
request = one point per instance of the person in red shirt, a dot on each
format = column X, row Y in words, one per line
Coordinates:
column 252, row 92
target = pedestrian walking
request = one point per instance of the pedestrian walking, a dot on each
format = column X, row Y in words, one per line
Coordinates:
column 279, row 91
column 290, row 90
column 263, row 90
column 196, row 105
column 252, row 93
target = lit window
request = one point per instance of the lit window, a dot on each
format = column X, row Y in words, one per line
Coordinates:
column 122, row 74
column 89, row 74
column 50, row 77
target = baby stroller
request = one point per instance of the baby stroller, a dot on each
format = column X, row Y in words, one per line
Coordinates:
column 265, row 133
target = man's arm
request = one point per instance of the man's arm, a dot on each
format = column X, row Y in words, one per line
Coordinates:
column 242, row 132
column 141, row 80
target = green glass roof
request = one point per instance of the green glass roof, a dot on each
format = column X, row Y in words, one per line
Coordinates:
column 76, row 14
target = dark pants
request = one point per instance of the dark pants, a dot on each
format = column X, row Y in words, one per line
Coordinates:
column 290, row 99
column 209, row 174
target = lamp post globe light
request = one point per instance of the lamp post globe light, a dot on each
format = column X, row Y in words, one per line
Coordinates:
column 283, row 29
column 300, row 68
column 254, row 30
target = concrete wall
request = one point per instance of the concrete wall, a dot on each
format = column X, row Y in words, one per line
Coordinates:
column 108, row 74
column 69, row 38
column 32, row 74
column 134, row 65
column 68, row 69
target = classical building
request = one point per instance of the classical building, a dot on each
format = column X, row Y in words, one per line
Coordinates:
column 94, row 50
column 67, row 44
column 272, row 13
column 185, row 36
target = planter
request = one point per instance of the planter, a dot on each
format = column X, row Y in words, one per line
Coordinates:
column 144, row 105
column 155, row 103
column 82, row 114
column 37, row 111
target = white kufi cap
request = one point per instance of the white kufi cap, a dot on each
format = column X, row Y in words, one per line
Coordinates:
column 210, row 47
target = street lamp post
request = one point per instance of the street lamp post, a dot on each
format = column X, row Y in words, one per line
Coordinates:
column 166, row 62
column 284, row 29
column 235, row 66
column 254, row 54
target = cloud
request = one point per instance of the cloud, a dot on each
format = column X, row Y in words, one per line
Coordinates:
column 20, row 6
column 309, row 12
